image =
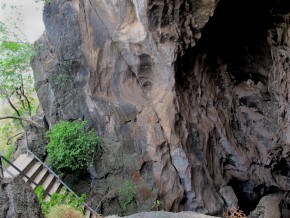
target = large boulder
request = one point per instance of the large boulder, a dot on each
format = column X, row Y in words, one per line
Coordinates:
column 17, row 199
column 268, row 207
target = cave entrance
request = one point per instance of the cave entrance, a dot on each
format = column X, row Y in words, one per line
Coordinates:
column 250, row 194
column 247, row 197
column 237, row 35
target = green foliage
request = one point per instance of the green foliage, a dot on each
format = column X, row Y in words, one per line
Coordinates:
column 63, row 197
column 16, row 84
column 126, row 195
column 8, row 129
column 156, row 205
column 47, row 1
column 71, row 149
column 64, row 211
column 7, row 152
column 16, row 81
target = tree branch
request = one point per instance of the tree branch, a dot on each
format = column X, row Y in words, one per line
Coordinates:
column 23, row 119
column 19, row 94
column 9, row 140
column 27, row 101
column 14, row 108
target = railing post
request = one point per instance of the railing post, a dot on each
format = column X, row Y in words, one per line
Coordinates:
column 26, row 141
column 1, row 166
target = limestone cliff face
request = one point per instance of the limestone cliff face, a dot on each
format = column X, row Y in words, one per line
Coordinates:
column 192, row 96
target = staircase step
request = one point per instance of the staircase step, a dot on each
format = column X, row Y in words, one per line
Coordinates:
column 87, row 214
column 55, row 188
column 23, row 163
column 41, row 176
column 48, row 182
column 33, row 172
column 39, row 179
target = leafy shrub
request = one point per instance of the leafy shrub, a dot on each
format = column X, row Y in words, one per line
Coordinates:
column 127, row 192
column 64, row 211
column 61, row 198
column 71, row 148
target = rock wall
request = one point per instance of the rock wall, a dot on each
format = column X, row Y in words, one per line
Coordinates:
column 191, row 97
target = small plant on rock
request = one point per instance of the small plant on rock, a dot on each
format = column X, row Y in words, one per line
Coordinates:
column 61, row 198
column 156, row 205
column 71, row 149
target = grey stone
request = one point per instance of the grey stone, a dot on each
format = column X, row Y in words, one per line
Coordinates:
column 268, row 207
column 229, row 196
column 17, row 199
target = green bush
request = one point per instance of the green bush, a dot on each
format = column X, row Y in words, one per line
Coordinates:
column 64, row 211
column 61, row 198
column 71, row 149
column 127, row 192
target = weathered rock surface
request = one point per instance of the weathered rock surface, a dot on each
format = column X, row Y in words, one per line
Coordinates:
column 268, row 207
column 191, row 96
column 18, row 200
column 163, row 214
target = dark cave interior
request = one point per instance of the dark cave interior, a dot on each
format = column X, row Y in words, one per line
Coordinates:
column 249, row 195
column 237, row 36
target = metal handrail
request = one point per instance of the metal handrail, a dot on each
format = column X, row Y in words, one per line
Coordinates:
column 2, row 168
column 6, row 170
column 65, row 185
column 50, row 170
column 20, row 171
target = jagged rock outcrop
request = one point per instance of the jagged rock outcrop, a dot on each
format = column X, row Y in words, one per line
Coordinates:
column 18, row 200
column 191, row 97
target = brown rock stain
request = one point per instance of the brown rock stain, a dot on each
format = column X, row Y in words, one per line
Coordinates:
column 136, row 177
column 145, row 193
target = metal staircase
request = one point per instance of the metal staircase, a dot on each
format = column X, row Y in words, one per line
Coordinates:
column 36, row 173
